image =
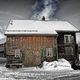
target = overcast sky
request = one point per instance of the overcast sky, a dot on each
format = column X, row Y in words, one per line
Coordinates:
column 68, row 10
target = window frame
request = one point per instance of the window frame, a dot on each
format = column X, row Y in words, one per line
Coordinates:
column 68, row 38
column 49, row 52
column 17, row 53
column 69, row 50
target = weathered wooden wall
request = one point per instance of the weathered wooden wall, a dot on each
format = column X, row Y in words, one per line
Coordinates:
column 62, row 45
column 30, row 46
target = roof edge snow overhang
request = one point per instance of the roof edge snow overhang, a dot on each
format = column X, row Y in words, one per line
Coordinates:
column 31, row 34
column 67, row 31
column 78, row 31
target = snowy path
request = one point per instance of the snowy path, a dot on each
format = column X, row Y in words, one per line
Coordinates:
column 36, row 74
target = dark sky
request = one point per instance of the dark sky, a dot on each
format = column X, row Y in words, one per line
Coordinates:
column 68, row 10
column 16, row 9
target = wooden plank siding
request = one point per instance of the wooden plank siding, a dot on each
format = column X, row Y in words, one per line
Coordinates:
column 30, row 46
column 62, row 45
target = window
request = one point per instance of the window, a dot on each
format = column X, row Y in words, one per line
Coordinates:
column 68, row 50
column 49, row 52
column 68, row 39
column 17, row 53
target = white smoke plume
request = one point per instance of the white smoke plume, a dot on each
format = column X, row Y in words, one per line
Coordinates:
column 45, row 8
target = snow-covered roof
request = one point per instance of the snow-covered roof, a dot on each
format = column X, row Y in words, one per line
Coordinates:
column 38, row 27
column 64, row 26
column 2, row 38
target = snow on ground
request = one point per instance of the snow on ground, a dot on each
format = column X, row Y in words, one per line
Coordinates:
column 32, row 73
column 49, row 71
column 61, row 64
column 25, row 74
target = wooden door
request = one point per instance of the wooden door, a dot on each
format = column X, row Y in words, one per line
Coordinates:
column 28, row 58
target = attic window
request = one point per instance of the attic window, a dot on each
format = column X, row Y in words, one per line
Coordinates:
column 49, row 52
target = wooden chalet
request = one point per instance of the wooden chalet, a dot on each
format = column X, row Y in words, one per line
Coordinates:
column 36, row 41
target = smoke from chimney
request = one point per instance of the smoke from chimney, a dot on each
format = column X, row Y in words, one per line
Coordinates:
column 45, row 8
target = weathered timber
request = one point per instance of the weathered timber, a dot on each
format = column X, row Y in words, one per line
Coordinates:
column 31, row 47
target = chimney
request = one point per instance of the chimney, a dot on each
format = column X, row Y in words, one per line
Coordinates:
column 43, row 18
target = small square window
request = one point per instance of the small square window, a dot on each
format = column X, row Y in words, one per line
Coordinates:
column 68, row 39
column 49, row 52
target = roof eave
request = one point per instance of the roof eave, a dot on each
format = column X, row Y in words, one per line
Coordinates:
column 67, row 31
column 30, row 34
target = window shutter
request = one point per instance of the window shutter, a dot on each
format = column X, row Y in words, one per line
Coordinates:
column 49, row 52
column 43, row 54
column 55, row 53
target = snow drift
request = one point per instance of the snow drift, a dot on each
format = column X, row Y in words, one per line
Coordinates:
column 61, row 64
